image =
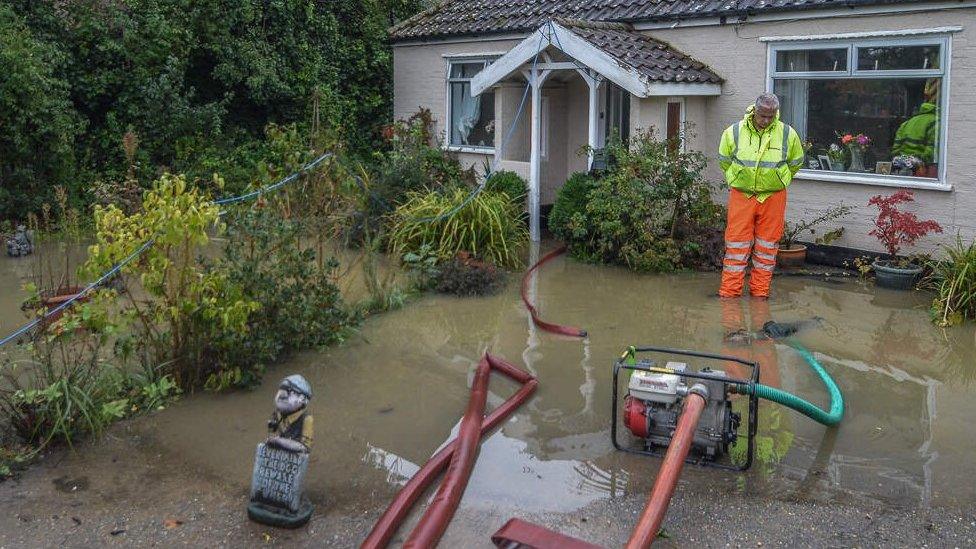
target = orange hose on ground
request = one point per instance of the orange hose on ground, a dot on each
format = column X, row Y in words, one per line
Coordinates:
column 667, row 477
column 433, row 523
column 398, row 509
column 547, row 326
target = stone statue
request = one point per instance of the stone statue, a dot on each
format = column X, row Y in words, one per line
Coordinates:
column 281, row 460
column 21, row 243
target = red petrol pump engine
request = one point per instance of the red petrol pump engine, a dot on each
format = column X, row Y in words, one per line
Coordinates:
column 656, row 396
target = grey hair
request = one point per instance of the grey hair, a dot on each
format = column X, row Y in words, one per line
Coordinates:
column 767, row 100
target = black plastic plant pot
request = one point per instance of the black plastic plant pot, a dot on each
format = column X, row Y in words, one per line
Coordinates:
column 897, row 278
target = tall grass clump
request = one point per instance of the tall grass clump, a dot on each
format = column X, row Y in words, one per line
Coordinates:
column 489, row 226
column 954, row 281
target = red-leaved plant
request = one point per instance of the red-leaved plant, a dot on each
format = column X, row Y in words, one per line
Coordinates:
column 894, row 227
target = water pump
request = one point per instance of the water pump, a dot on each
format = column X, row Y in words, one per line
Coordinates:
column 656, row 395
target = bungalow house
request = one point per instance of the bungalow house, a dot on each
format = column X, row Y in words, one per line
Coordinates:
column 578, row 72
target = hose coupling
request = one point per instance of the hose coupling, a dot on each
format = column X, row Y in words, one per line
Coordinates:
column 699, row 389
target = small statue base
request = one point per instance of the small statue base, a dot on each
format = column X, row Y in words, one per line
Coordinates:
column 278, row 517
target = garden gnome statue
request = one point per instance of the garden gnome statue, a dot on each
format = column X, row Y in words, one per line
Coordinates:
column 281, row 460
column 21, row 243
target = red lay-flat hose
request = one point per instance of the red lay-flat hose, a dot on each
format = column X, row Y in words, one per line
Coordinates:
column 667, row 477
column 398, row 509
column 433, row 523
column 547, row 326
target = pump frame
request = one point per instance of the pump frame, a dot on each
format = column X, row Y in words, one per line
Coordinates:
column 751, row 420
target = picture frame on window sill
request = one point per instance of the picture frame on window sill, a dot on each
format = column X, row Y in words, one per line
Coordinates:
column 883, row 168
column 813, row 164
column 824, row 161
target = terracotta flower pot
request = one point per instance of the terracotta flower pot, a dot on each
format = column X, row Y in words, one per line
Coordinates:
column 888, row 275
column 792, row 257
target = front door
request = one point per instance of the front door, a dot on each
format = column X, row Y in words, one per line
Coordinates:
column 616, row 113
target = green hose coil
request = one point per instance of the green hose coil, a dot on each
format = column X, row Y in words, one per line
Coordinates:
column 789, row 400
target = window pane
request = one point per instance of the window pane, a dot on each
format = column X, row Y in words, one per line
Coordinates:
column 466, row 70
column 890, row 58
column 472, row 118
column 811, row 60
column 898, row 118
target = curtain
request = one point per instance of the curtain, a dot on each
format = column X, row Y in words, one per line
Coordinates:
column 466, row 112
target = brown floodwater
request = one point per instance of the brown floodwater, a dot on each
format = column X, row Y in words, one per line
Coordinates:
column 391, row 396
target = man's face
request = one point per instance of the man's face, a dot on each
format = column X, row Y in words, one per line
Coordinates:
column 288, row 400
column 763, row 117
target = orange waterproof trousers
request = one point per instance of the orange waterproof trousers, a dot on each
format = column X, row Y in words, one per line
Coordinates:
column 754, row 228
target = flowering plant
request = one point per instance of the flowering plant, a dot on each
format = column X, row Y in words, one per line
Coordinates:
column 860, row 141
column 835, row 153
column 894, row 227
column 906, row 161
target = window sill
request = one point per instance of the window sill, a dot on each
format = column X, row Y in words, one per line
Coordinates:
column 873, row 179
column 467, row 149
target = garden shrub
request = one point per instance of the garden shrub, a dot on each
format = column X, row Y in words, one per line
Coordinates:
column 78, row 379
column 466, row 277
column 488, row 226
column 570, row 201
column 189, row 319
column 509, row 183
column 953, row 279
column 651, row 211
column 301, row 306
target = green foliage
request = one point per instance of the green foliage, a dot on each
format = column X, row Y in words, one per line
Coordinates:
column 413, row 163
column 795, row 228
column 954, row 281
column 38, row 120
column 422, row 266
column 77, row 380
column 196, row 81
column 651, row 211
column 301, row 307
column 509, row 183
column 570, row 207
column 489, row 226
column 190, row 318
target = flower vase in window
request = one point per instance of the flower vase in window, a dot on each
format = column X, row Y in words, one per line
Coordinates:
column 857, row 145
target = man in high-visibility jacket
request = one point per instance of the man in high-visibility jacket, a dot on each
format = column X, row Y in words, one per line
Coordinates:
column 759, row 156
column 917, row 136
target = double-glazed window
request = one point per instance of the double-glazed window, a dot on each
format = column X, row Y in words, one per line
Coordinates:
column 472, row 119
column 865, row 107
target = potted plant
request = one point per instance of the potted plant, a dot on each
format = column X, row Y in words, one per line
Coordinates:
column 893, row 228
column 794, row 254
column 857, row 145
column 836, row 156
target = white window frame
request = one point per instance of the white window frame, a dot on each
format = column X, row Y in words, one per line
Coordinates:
column 941, row 183
column 458, row 60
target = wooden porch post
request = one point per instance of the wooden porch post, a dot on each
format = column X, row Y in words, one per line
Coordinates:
column 536, row 79
column 593, row 81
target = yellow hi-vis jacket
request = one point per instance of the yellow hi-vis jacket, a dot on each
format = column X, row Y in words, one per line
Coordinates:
column 760, row 163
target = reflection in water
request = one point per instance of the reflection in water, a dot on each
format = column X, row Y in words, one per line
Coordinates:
column 399, row 470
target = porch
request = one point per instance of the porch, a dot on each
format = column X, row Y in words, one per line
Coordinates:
column 576, row 85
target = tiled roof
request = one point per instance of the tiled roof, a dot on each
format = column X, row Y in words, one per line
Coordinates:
column 466, row 17
column 654, row 59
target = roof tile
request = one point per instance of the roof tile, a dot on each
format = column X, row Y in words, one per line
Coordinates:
column 466, row 17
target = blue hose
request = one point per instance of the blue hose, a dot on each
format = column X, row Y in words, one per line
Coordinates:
column 789, row 400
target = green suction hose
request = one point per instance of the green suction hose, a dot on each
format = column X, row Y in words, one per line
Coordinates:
column 813, row 412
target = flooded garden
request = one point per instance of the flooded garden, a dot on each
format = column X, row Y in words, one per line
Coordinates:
column 391, row 395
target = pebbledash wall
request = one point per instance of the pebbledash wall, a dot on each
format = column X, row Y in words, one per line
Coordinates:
column 739, row 55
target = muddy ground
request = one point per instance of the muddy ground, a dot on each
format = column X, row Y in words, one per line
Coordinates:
column 153, row 499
